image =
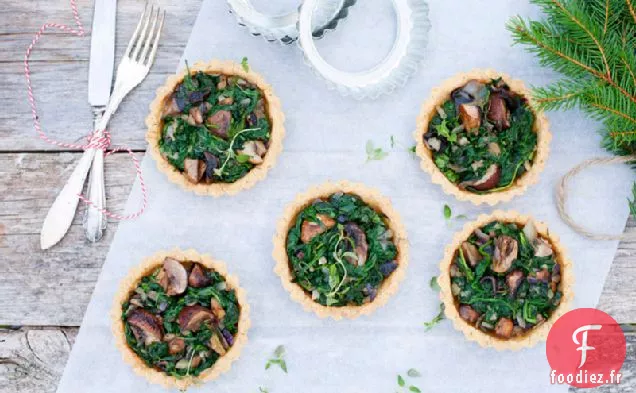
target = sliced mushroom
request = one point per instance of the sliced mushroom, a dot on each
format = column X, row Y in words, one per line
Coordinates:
column 470, row 116
column 173, row 277
column 226, row 100
column 310, row 229
column 259, row 111
column 195, row 117
column 474, row 92
column 216, row 345
column 222, row 82
column 514, row 280
column 543, row 275
column 211, row 163
column 506, row 250
column 146, row 326
column 481, row 235
column 468, row 313
column 198, row 277
column 471, row 253
column 494, row 149
column 176, row 345
column 192, row 317
column 217, row 309
column 498, row 112
column 504, row 328
column 488, row 181
column 433, row 143
column 172, row 107
column 360, row 240
column 255, row 150
column 194, row 169
column 219, row 123
column 542, row 248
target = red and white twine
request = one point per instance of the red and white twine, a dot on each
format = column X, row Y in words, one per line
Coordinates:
column 95, row 141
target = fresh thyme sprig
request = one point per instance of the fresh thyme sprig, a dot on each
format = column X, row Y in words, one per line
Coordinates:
column 437, row 319
column 229, row 152
column 374, row 153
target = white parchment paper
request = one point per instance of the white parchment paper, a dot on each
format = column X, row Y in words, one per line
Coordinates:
column 326, row 137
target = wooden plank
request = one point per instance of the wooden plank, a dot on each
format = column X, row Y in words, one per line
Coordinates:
column 56, row 285
column 63, row 57
column 619, row 286
column 32, row 360
column 59, row 283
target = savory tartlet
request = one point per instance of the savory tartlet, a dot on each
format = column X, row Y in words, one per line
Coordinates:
column 480, row 137
column 340, row 250
column 179, row 319
column 216, row 128
column 505, row 280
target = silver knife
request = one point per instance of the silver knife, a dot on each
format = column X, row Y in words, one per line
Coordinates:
column 100, row 77
column 102, row 57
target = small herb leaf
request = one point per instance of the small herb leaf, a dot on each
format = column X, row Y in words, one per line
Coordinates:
column 400, row 381
column 242, row 158
column 434, row 285
column 244, row 64
column 447, row 212
column 413, row 373
column 414, row 389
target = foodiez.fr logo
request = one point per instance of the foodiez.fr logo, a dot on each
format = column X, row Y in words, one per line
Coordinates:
column 586, row 348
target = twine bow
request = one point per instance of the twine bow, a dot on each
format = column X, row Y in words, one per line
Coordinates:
column 95, row 139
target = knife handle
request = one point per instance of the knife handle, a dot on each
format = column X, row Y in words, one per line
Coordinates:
column 94, row 218
column 61, row 213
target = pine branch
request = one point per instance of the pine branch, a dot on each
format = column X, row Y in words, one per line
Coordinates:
column 592, row 44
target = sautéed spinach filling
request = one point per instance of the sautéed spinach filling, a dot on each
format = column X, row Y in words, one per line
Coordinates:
column 340, row 250
column 181, row 318
column 482, row 138
column 505, row 279
column 215, row 128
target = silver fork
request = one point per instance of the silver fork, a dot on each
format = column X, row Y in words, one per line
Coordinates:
column 132, row 70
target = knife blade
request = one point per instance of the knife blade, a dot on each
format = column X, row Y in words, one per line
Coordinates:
column 100, row 75
column 102, row 57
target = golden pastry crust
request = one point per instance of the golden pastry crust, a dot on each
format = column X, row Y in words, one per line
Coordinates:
column 441, row 94
column 154, row 123
column 128, row 285
column 372, row 198
column 534, row 335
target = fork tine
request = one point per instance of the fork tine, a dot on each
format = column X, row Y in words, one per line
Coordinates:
column 149, row 39
column 143, row 34
column 151, row 58
column 136, row 33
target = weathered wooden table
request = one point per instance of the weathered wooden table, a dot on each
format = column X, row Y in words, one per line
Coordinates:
column 43, row 295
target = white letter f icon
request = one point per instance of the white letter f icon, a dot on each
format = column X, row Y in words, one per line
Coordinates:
column 584, row 347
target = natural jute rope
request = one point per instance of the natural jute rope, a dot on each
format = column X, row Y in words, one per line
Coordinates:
column 562, row 194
